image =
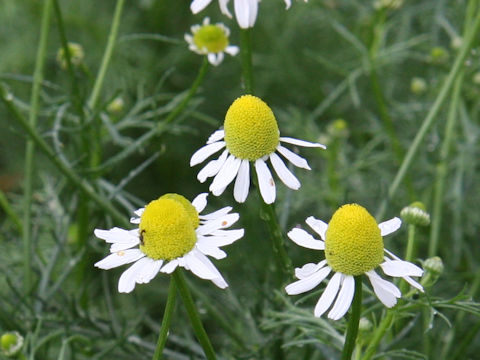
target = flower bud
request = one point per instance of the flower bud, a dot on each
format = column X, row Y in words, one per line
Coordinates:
column 11, row 343
column 116, row 106
column 338, row 128
column 76, row 55
column 433, row 269
column 418, row 85
column 415, row 214
column 438, row 55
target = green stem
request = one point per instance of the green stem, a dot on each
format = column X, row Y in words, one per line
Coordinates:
column 246, row 57
column 112, row 38
column 5, row 205
column 75, row 179
column 431, row 116
column 30, row 148
column 353, row 321
column 193, row 314
column 162, row 125
column 378, row 334
column 442, row 166
column 167, row 316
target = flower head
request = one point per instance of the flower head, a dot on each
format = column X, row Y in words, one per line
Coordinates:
column 353, row 245
column 250, row 134
column 211, row 40
column 76, row 55
column 171, row 232
column 11, row 343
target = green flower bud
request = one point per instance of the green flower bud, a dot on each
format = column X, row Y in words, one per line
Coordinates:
column 338, row 128
column 11, row 343
column 418, row 85
column 456, row 42
column 76, row 55
column 433, row 269
column 415, row 214
column 116, row 106
column 438, row 55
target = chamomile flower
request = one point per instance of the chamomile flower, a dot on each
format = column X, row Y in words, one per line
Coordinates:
column 353, row 246
column 250, row 134
column 211, row 40
column 171, row 232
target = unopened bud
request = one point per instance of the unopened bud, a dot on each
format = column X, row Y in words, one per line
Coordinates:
column 116, row 106
column 415, row 214
column 11, row 343
column 76, row 55
column 418, row 85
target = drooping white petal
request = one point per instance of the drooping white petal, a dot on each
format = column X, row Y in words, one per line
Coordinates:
column 225, row 237
column 198, row 5
column 219, row 223
column 150, row 270
column 200, row 202
column 139, row 212
column 225, row 176
column 207, row 248
column 389, row 226
column 201, row 266
column 135, row 220
column 288, row 3
column 303, row 143
column 213, row 167
column 400, row 268
column 170, row 267
column 265, row 182
column 304, row 239
column 216, row 214
column 246, row 12
column 318, row 226
column 119, row 258
column 413, row 283
column 386, row 292
column 308, row 269
column 328, row 295
column 242, row 183
column 344, row 299
column 232, row 50
column 216, row 136
column 117, row 235
column 283, row 173
column 135, row 272
column 215, row 58
column 205, row 151
column 308, row 283
column 224, row 8
column 295, row 159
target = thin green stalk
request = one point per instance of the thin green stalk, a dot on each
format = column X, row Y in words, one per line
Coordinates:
column 431, row 116
column 162, row 125
column 75, row 179
column 246, row 57
column 442, row 167
column 380, row 331
column 167, row 316
column 112, row 38
column 5, row 205
column 30, row 147
column 353, row 321
column 193, row 314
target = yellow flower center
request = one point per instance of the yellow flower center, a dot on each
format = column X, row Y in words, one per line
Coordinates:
column 251, row 130
column 353, row 243
column 211, row 37
column 167, row 227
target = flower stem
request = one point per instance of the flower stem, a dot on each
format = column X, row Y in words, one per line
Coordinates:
column 246, row 57
column 378, row 335
column 354, row 320
column 167, row 316
column 30, row 147
column 432, row 114
column 193, row 314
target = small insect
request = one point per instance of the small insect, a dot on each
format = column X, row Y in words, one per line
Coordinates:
column 141, row 236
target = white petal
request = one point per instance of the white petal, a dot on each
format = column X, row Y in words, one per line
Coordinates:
column 219, row 223
column 232, row 50
column 212, row 168
column 308, row 283
column 207, row 248
column 200, row 202
column 135, row 220
column 319, row 226
column 283, row 173
column 252, row 16
column 295, row 159
column 388, row 227
column 308, row 269
column 170, row 267
column 225, row 176
column 242, row 183
column 303, row 143
column 413, row 283
column 304, row 239
column 139, row 212
column 123, row 246
column 246, row 12
column 205, row 151
column 400, row 268
column 386, row 292
column 198, row 5
column 201, row 266
column 135, row 272
column 224, row 8
column 328, row 295
column 216, row 136
column 288, row 3
column 150, row 270
column 119, row 258
column 265, row 181
column 225, row 237
column 214, row 58
column 216, row 214
column 344, row 299
column 117, row 235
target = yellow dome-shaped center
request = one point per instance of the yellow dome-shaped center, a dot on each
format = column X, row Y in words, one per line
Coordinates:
column 353, row 243
column 251, row 130
column 167, row 228
column 189, row 208
column 212, row 38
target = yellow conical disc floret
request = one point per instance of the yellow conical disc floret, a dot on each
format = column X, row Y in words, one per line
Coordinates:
column 211, row 37
column 251, row 130
column 191, row 211
column 353, row 243
column 166, row 230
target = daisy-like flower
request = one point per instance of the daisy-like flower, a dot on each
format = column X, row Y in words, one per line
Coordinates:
column 353, row 246
column 250, row 134
column 211, row 40
column 170, row 233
